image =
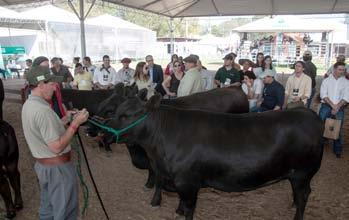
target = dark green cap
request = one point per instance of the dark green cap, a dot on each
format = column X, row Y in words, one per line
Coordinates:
column 37, row 74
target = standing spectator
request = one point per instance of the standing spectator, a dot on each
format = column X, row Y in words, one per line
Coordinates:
column 169, row 69
column 252, row 86
column 105, row 75
column 88, row 67
column 125, row 74
column 257, row 69
column 273, row 94
column 29, row 64
column 228, row 75
column 268, row 65
column 298, row 86
column 156, row 74
column 191, row 82
column 49, row 143
column 142, row 79
column 171, row 83
column 61, row 70
column 12, row 66
column 340, row 58
column 206, row 76
column 75, row 61
column 334, row 94
column 180, row 59
column 83, row 79
column 310, row 70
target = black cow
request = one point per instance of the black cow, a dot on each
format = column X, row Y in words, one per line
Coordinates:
column 232, row 153
column 229, row 100
column 9, row 167
column 2, row 97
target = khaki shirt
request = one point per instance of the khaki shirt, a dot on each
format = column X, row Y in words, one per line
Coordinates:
column 41, row 125
column 298, row 87
column 190, row 83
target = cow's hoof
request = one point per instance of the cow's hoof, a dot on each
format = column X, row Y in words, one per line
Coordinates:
column 149, row 185
column 294, row 205
column 146, row 189
column 155, row 204
column 10, row 215
column 180, row 212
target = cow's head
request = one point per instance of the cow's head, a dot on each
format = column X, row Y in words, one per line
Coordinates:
column 132, row 110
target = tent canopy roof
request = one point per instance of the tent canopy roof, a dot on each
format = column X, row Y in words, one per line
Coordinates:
column 112, row 21
column 287, row 24
column 13, row 19
column 50, row 13
column 195, row 8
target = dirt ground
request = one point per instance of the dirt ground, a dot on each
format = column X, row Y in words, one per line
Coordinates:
column 121, row 187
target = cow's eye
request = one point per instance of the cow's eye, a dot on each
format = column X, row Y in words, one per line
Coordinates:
column 122, row 117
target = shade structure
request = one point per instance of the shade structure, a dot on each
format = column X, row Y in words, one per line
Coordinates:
column 13, row 19
column 196, row 8
column 290, row 24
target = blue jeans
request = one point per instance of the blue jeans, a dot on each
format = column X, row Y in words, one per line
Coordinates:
column 259, row 109
column 313, row 91
column 325, row 112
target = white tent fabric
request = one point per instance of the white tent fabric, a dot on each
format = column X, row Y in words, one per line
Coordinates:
column 51, row 13
column 13, row 19
column 112, row 21
column 287, row 24
column 193, row 8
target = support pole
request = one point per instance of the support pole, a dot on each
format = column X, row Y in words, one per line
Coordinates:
column 171, row 36
column 82, row 29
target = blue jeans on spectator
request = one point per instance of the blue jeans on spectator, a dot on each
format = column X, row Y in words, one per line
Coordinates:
column 325, row 112
column 259, row 109
column 313, row 91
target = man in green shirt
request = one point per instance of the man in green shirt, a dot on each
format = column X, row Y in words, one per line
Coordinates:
column 228, row 75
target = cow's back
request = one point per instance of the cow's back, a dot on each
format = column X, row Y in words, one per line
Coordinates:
column 85, row 99
column 227, row 100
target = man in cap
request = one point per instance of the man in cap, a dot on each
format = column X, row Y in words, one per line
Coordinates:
column 125, row 74
column 41, row 61
column 340, row 58
column 228, row 75
column 310, row 70
column 191, row 82
column 273, row 94
column 49, row 143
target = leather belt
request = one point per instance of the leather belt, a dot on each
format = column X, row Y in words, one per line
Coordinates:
column 64, row 158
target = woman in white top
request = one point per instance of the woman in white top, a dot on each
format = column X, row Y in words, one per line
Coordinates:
column 268, row 65
column 142, row 79
column 257, row 69
column 253, row 88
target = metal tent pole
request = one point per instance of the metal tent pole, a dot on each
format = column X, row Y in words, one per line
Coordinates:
column 171, row 36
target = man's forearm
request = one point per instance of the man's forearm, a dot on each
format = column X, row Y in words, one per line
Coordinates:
column 329, row 102
column 59, row 145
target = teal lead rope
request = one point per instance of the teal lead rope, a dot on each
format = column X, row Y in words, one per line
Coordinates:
column 119, row 132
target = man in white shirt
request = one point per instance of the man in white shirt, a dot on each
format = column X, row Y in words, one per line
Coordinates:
column 334, row 95
column 105, row 76
column 125, row 74
column 191, row 82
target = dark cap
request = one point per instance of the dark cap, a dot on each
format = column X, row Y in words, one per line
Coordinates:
column 37, row 74
column 37, row 61
column 230, row 56
column 191, row 59
column 242, row 61
column 126, row 60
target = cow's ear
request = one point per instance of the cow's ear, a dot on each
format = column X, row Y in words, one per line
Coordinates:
column 119, row 89
column 153, row 103
column 142, row 94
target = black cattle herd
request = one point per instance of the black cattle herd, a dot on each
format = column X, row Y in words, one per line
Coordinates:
column 203, row 140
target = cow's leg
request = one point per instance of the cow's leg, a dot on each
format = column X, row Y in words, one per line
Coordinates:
column 301, row 190
column 151, row 178
column 15, row 181
column 180, row 208
column 188, row 195
column 6, row 195
column 156, row 200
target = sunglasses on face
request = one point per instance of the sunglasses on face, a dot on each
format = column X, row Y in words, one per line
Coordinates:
column 148, row 61
column 177, row 65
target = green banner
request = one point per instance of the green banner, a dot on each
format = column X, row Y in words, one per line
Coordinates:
column 12, row 50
